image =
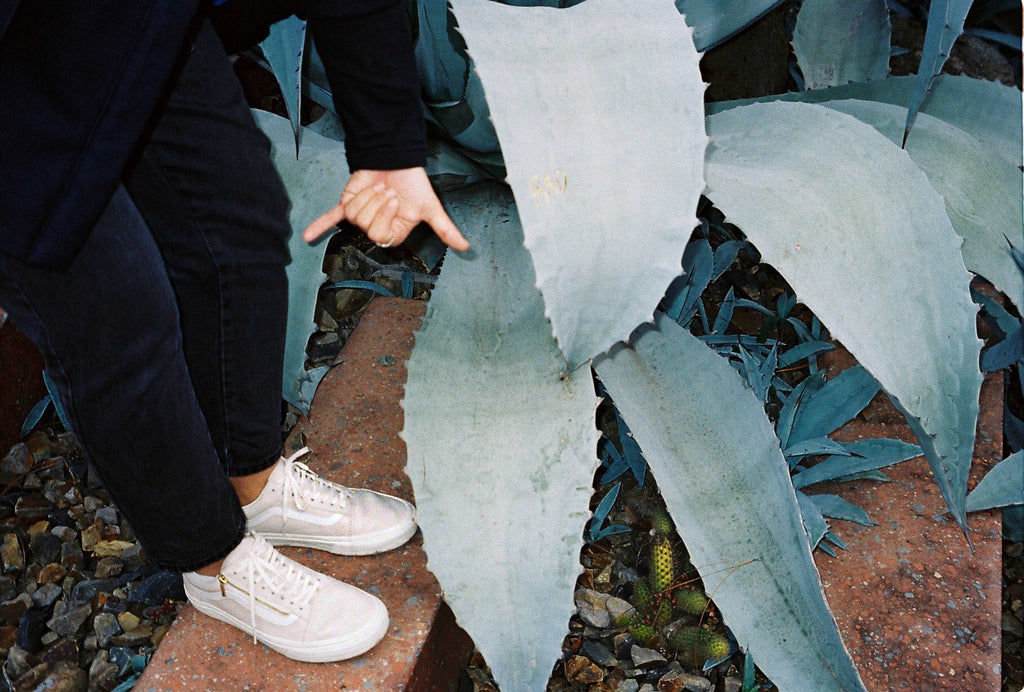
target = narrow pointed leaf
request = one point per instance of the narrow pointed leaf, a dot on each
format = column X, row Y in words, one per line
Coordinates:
column 314, row 182
column 1003, row 486
column 684, row 404
column 814, row 521
column 905, row 312
column 863, row 455
column 714, row 21
column 945, row 24
column 839, row 508
column 503, row 499
column 599, row 109
column 1004, row 354
column 283, row 48
column 835, row 404
column 994, row 115
column 841, row 41
column 982, row 190
column 821, row 445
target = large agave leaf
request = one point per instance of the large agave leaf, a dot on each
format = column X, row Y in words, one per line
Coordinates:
column 863, row 238
column 840, row 41
column 945, row 24
column 714, row 21
column 989, row 111
column 501, row 447
column 283, row 48
column 314, row 182
column 982, row 191
column 726, row 484
column 599, row 110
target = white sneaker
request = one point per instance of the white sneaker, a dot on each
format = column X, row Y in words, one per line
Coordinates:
column 292, row 609
column 299, row 508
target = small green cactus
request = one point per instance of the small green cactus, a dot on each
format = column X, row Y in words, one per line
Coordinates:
column 690, row 601
column 663, row 614
column 661, row 522
column 699, row 643
column 641, row 593
column 663, row 571
column 643, row 633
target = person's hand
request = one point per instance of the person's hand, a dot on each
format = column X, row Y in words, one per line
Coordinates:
column 387, row 205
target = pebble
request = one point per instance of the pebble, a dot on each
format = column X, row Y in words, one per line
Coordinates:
column 137, row 636
column 110, row 548
column 12, row 556
column 580, row 671
column 68, row 616
column 51, row 574
column 106, row 626
column 731, row 684
column 128, row 620
column 18, row 460
column 642, row 656
column 46, row 595
column 599, row 654
column 109, row 567
column 45, row 547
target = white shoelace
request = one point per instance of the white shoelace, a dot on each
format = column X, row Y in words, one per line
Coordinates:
column 301, row 483
column 281, row 576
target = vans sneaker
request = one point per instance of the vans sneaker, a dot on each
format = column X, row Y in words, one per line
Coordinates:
column 292, row 609
column 299, row 508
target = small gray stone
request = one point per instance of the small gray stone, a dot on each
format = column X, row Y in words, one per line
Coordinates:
column 108, row 515
column 18, row 662
column 599, row 654
column 46, row 595
column 137, row 636
column 105, row 626
column 630, row 685
column 71, row 555
column 590, row 605
column 45, row 547
column 18, row 460
column 109, row 567
column 64, row 533
column 91, row 503
column 731, row 684
column 642, row 656
column 132, row 557
column 88, row 589
column 618, row 607
column 594, row 616
column 102, row 673
column 68, row 617
column 680, row 679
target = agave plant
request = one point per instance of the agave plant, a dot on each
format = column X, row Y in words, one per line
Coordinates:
column 594, row 117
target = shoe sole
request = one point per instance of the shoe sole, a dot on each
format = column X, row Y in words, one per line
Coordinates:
column 369, row 544
column 327, row 652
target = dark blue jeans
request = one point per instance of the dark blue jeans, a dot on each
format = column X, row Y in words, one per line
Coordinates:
column 165, row 336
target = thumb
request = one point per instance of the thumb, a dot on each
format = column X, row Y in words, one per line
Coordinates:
column 445, row 229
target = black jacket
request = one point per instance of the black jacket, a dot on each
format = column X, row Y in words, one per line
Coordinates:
column 79, row 81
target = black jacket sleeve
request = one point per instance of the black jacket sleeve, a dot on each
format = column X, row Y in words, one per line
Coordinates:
column 371, row 68
column 367, row 50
